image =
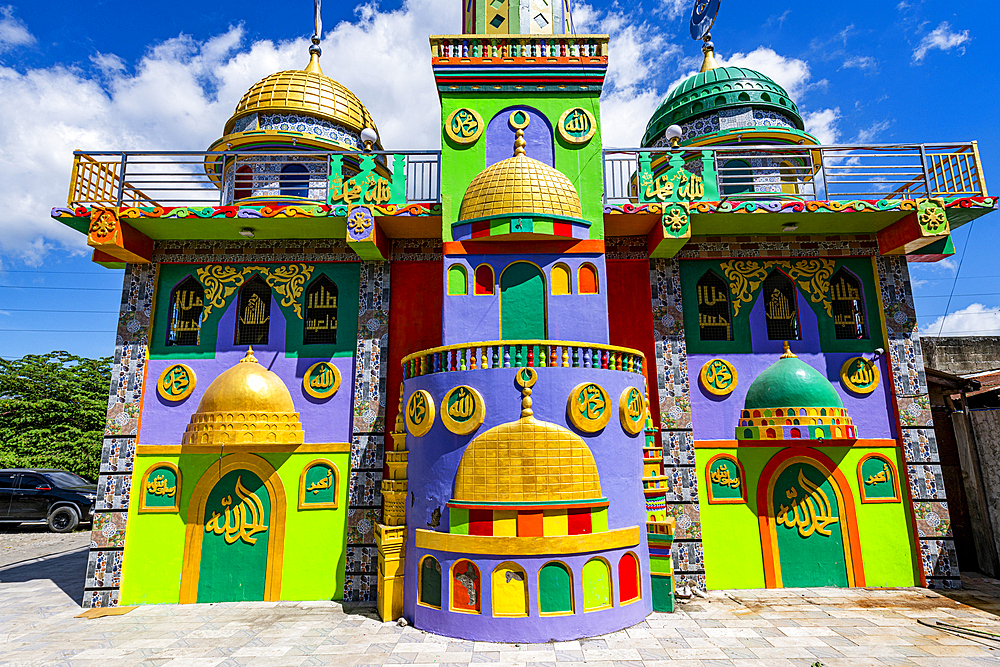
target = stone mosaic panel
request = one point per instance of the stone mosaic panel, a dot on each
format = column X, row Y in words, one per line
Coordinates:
column 367, row 452
column 682, row 484
column 104, row 570
column 687, row 518
column 688, row 556
column 113, row 491
column 366, row 487
column 926, row 482
column 939, row 558
column 128, row 368
column 932, row 519
column 117, row 455
column 255, row 250
column 361, row 560
column 108, row 598
column 920, row 445
column 626, row 247
column 109, row 530
column 416, row 250
column 844, row 245
column 915, row 411
column 361, row 525
column 670, row 349
column 678, row 448
column 360, row 588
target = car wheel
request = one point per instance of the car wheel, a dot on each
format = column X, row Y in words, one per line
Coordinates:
column 63, row 519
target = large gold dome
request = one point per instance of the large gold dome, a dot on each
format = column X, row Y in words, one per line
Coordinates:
column 519, row 185
column 246, row 404
column 527, row 461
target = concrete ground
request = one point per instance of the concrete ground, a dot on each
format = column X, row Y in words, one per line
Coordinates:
column 20, row 542
column 39, row 600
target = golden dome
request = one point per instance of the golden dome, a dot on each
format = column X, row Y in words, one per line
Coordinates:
column 307, row 91
column 527, row 461
column 518, row 185
column 246, row 404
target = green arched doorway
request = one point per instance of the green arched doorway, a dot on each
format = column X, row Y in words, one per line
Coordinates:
column 522, row 302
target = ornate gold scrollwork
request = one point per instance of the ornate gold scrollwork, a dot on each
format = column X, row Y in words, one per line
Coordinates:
column 221, row 281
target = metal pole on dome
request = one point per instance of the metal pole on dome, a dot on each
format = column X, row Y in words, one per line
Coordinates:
column 314, row 51
column 703, row 16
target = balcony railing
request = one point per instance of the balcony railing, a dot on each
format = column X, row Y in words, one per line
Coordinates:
column 767, row 172
column 170, row 179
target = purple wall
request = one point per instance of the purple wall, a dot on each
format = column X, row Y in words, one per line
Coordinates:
column 716, row 417
column 163, row 422
column 572, row 317
column 433, row 463
column 500, row 137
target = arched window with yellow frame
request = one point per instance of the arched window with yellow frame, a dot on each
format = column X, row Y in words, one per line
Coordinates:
column 458, row 280
column 561, row 280
column 510, row 590
column 586, row 280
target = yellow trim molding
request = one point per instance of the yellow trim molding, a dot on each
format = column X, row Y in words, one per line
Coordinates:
column 244, row 448
column 527, row 546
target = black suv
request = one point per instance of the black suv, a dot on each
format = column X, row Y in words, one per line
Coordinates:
column 61, row 498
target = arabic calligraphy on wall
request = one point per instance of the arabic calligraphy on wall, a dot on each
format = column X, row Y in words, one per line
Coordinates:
column 372, row 185
column 319, row 485
column 161, row 488
column 632, row 410
column 589, row 407
column 243, row 520
column 321, row 380
column 877, row 479
column 576, row 125
column 808, row 510
column 665, row 178
column 718, row 377
column 463, row 410
column 420, row 412
column 464, row 126
column 176, row 382
column 726, row 483
column 860, row 375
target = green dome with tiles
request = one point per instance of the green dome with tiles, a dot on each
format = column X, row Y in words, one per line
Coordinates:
column 790, row 382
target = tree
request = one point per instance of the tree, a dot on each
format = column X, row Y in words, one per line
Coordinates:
column 52, row 412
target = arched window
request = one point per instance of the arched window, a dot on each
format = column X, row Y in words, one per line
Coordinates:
column 522, row 302
column 789, row 178
column 561, row 280
column 458, row 280
column 555, row 589
column 466, row 585
column 185, row 313
column 586, row 280
column 510, row 590
column 243, row 182
column 781, row 307
column 736, row 177
column 484, row 280
column 848, row 306
column 321, row 313
column 254, row 312
column 715, row 315
column 294, row 180
column 430, row 582
column 628, row 578
column 596, row 585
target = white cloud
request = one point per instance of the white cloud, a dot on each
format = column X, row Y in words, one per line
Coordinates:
column 943, row 38
column 13, row 32
column 178, row 97
column 976, row 320
column 868, row 134
column 917, row 283
column 860, row 62
column 673, row 8
column 822, row 124
column 779, row 20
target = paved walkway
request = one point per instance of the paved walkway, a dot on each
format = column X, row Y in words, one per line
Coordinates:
column 39, row 602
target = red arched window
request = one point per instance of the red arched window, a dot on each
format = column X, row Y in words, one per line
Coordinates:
column 243, row 186
column 484, row 279
column 628, row 578
column 586, row 280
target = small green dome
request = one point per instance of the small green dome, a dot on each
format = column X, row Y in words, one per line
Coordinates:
column 791, row 383
column 716, row 89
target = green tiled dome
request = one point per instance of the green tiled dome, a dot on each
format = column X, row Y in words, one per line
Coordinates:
column 716, row 89
column 790, row 382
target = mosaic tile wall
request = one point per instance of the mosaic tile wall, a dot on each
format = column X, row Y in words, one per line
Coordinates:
column 938, row 557
column 675, row 419
column 107, row 538
column 364, row 500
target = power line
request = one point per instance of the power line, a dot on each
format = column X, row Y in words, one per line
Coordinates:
column 58, row 273
column 55, row 310
column 941, row 296
column 72, row 331
column 958, row 272
column 89, row 289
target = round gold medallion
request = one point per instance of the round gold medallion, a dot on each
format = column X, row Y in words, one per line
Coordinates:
column 322, row 380
column 589, row 407
column 577, row 125
column 718, row 377
column 860, row 375
column 463, row 410
column 176, row 382
column 526, row 377
column 632, row 410
column 419, row 413
column 464, row 126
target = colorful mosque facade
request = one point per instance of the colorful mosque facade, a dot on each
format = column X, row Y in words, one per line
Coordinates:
column 514, row 389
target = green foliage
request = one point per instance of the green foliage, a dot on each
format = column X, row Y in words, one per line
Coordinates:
column 52, row 412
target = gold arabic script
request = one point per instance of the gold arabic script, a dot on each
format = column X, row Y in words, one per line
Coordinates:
column 810, row 514
column 243, row 521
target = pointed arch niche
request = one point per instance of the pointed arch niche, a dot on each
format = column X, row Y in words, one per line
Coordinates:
column 849, row 320
column 781, row 309
column 186, row 305
column 320, row 326
column 715, row 312
column 254, row 312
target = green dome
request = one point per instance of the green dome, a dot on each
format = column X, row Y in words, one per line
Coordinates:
column 791, row 383
column 716, row 89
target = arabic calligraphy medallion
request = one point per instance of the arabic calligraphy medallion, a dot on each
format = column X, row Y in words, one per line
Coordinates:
column 718, row 377
column 160, row 489
column 725, row 480
column 319, row 485
column 860, row 375
column 589, row 407
column 577, row 125
column 463, row 126
column 176, row 382
column 632, row 410
column 877, row 479
column 419, row 413
column 322, row 380
column 240, row 521
column 463, row 410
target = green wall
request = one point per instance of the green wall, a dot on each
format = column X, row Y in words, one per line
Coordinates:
column 314, row 551
column 346, row 276
column 582, row 164
column 731, row 535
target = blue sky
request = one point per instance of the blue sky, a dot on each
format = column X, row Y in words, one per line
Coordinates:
column 139, row 75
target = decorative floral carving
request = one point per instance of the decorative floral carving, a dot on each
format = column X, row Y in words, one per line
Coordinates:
column 931, row 215
column 221, row 281
column 812, row 275
column 744, row 276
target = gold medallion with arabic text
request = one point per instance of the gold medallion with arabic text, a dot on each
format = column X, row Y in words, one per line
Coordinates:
column 322, row 380
column 632, row 410
column 589, row 407
column 420, row 413
column 860, row 375
column 718, row 377
column 463, row 410
column 176, row 382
